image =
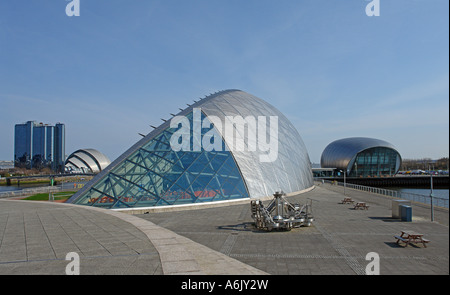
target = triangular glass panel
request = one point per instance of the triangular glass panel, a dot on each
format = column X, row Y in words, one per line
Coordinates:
column 157, row 175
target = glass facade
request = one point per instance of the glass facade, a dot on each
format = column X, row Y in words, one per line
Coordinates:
column 156, row 175
column 362, row 157
column 23, row 139
column 39, row 145
column 377, row 161
column 59, row 147
column 152, row 173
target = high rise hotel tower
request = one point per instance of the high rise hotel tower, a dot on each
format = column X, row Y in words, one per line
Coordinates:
column 38, row 145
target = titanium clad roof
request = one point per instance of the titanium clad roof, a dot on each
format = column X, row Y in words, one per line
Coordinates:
column 290, row 172
column 101, row 160
column 340, row 153
column 88, row 159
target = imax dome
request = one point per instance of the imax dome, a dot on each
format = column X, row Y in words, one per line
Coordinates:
column 362, row 156
column 229, row 145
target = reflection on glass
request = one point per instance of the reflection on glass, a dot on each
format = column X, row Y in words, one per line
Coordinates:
column 155, row 175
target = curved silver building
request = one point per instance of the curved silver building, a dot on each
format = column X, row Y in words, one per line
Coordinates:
column 229, row 145
column 86, row 161
column 361, row 156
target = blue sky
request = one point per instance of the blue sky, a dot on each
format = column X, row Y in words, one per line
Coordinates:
column 333, row 71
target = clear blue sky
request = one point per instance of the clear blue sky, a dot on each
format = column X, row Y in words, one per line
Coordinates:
column 333, row 71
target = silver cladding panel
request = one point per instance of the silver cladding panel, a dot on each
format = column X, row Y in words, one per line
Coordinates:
column 340, row 153
column 102, row 160
column 291, row 172
column 95, row 160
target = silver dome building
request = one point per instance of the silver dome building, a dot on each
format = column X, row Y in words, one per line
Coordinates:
column 362, row 157
column 229, row 145
column 86, row 161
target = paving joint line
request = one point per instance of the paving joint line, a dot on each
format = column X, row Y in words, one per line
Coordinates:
column 338, row 247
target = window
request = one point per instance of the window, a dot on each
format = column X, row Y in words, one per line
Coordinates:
column 377, row 161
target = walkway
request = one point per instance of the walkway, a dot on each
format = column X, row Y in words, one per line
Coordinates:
column 36, row 236
column 337, row 243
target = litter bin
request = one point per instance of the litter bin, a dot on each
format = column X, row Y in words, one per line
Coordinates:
column 396, row 209
column 406, row 213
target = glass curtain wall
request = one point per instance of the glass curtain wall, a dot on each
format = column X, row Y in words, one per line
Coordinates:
column 377, row 161
column 156, row 175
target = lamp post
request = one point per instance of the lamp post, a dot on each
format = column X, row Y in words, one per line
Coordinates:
column 431, row 198
column 344, row 180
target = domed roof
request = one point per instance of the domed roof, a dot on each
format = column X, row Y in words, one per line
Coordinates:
column 340, row 153
column 290, row 172
column 152, row 170
column 87, row 160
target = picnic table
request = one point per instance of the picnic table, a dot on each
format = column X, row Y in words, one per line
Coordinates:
column 361, row 205
column 347, row 201
column 408, row 236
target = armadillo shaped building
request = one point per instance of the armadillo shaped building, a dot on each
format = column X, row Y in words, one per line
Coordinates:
column 202, row 161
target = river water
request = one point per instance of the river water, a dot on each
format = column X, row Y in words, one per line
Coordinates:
column 439, row 193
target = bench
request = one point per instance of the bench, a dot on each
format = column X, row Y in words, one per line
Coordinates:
column 411, row 237
column 347, row 200
column 401, row 239
column 361, row 205
column 424, row 241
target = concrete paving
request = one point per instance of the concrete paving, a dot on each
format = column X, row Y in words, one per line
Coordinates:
column 337, row 243
column 35, row 238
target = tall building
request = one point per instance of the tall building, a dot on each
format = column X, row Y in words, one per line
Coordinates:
column 38, row 145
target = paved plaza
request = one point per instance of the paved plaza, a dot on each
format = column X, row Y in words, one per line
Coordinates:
column 35, row 238
column 337, row 243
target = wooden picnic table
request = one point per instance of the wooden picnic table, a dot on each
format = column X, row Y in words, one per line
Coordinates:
column 361, row 205
column 408, row 236
column 347, row 201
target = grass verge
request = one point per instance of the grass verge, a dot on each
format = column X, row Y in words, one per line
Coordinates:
column 61, row 196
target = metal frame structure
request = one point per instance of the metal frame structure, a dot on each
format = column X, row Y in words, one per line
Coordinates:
column 280, row 214
column 151, row 173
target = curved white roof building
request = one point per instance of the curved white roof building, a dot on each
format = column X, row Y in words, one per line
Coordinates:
column 87, row 160
column 229, row 145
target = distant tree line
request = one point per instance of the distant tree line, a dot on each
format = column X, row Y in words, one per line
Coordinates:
column 17, row 171
column 425, row 164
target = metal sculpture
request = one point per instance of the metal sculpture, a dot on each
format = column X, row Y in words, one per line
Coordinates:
column 280, row 214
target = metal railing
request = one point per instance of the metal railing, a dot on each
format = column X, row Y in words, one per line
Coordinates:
column 61, row 187
column 437, row 201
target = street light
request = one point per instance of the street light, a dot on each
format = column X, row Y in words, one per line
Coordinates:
column 344, row 180
column 431, row 198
